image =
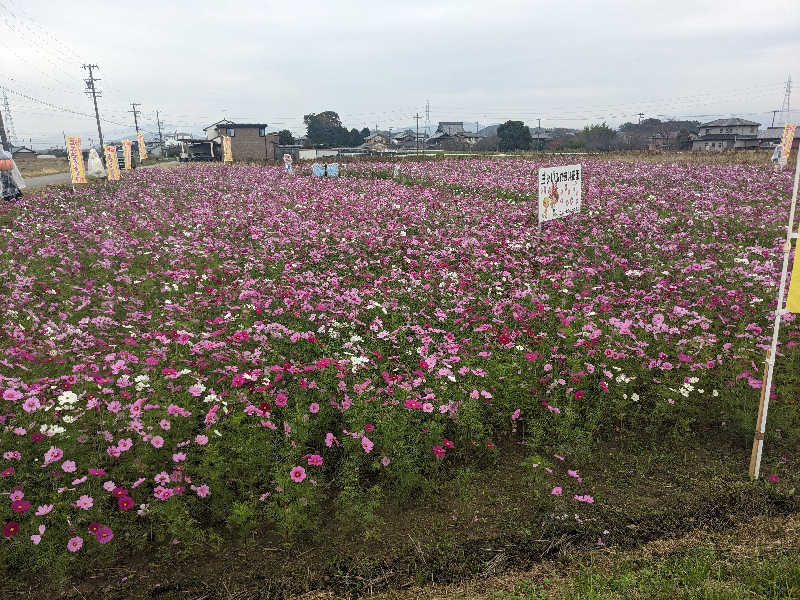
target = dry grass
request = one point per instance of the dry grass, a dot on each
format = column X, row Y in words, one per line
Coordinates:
column 745, row 543
column 37, row 167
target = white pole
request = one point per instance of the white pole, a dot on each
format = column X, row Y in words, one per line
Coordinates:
column 778, row 316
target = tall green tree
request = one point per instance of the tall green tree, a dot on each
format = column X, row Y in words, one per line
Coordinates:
column 285, row 137
column 514, row 135
column 598, row 137
column 326, row 129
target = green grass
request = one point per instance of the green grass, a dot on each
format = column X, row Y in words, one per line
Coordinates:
column 700, row 573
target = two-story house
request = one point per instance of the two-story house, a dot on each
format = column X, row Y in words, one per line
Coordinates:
column 249, row 141
column 727, row 134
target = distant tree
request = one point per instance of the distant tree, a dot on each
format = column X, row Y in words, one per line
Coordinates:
column 365, row 133
column 326, row 129
column 285, row 137
column 355, row 138
column 514, row 135
column 487, row 143
column 598, row 137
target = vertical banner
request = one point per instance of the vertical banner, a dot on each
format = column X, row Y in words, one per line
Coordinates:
column 127, row 153
column 142, row 147
column 559, row 192
column 786, row 144
column 76, row 160
column 227, row 155
column 793, row 302
column 112, row 163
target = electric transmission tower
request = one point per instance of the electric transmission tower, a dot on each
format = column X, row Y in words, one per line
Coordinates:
column 9, row 122
column 786, row 107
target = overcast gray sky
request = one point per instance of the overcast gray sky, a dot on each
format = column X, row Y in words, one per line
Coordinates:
column 569, row 63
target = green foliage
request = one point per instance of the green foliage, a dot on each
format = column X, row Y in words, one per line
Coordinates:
column 514, row 135
column 325, row 129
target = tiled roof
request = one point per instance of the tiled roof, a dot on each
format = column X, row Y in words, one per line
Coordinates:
column 729, row 123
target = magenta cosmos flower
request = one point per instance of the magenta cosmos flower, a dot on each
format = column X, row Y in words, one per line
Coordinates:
column 20, row 506
column 125, row 502
column 438, row 451
column 298, row 474
column 104, row 535
column 11, row 529
column 314, row 460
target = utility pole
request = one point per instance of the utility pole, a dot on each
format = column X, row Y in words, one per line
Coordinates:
column 416, row 139
column 3, row 138
column 91, row 89
column 539, row 134
column 135, row 115
column 640, row 117
column 9, row 121
column 161, row 138
column 427, row 117
column 773, row 117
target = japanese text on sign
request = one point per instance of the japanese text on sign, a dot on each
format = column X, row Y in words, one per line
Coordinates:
column 76, row 160
column 559, row 192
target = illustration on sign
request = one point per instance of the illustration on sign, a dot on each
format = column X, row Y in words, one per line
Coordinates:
column 287, row 162
column 332, row 169
column 559, row 192
column 317, row 170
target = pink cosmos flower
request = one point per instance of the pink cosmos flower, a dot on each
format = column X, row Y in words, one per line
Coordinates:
column 556, row 491
column 68, row 466
column 202, row 491
column 773, row 478
column 427, row 407
column 31, row 405
column 178, row 457
column 200, row 439
column 298, row 474
column 16, row 495
column 20, row 506
column 447, row 443
column 313, row 408
column 74, row 544
column 515, row 415
column 97, row 472
column 11, row 395
column 385, row 461
column 157, row 441
column 164, row 424
column 12, row 455
column 43, row 510
column 329, row 439
column 367, row 444
column 125, row 444
column 195, row 390
column 85, row 502
column 161, row 478
column 438, row 451
column 314, row 460
column 52, row 455
column 109, row 486
column 7, row 472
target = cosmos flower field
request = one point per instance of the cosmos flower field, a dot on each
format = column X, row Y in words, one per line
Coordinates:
column 193, row 350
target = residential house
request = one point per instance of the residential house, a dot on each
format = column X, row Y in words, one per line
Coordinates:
column 376, row 142
column 19, row 152
column 408, row 139
column 450, row 135
column 249, row 141
column 727, row 134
